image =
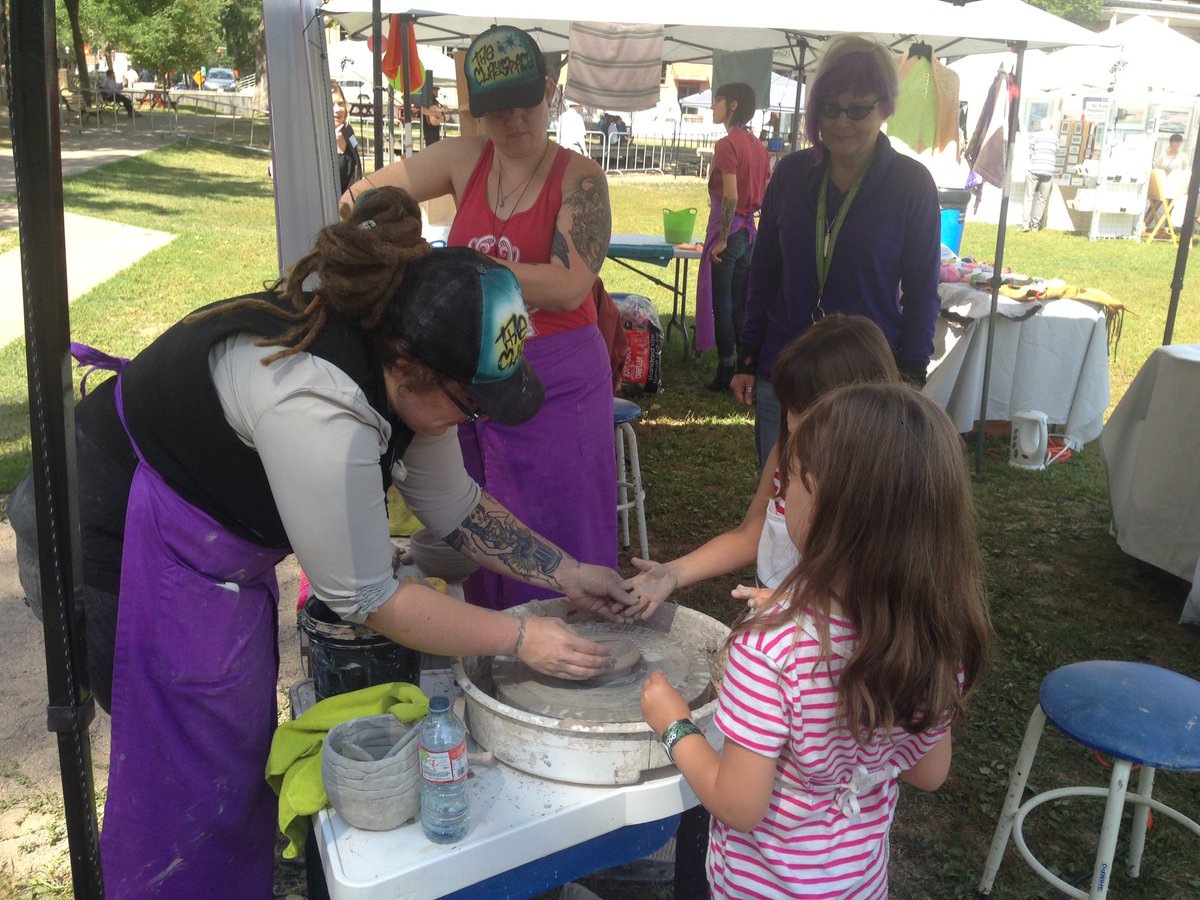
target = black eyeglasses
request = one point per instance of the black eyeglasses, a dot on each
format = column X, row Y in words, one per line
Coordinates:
column 831, row 110
column 471, row 416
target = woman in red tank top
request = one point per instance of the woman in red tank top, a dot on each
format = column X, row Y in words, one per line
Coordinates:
column 543, row 211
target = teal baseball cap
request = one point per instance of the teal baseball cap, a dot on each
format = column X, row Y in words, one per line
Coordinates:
column 463, row 315
column 504, row 69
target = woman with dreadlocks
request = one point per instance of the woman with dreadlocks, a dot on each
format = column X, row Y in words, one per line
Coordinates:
column 193, row 485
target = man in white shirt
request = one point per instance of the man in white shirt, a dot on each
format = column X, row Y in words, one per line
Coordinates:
column 110, row 90
column 572, row 130
column 1043, row 163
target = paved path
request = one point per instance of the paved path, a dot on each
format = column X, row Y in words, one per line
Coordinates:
column 96, row 249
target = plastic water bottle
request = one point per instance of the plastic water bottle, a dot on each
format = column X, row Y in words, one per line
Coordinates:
column 445, row 807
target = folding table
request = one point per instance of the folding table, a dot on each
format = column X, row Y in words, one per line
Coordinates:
column 653, row 249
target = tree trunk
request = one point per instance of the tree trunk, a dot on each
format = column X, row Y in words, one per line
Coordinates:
column 260, row 66
column 81, row 71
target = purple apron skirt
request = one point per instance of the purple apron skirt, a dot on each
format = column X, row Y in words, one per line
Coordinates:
column 704, row 296
column 557, row 472
column 189, row 812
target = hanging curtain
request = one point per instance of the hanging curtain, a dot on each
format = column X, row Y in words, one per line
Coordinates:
column 615, row 67
column 752, row 67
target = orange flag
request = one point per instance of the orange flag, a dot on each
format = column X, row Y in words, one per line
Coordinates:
column 392, row 56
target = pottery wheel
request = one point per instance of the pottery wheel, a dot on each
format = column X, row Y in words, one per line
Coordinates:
column 614, row 696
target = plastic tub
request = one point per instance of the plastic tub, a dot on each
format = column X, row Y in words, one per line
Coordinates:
column 678, row 225
column 346, row 657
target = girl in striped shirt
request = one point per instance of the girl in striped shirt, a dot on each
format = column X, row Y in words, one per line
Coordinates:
column 849, row 679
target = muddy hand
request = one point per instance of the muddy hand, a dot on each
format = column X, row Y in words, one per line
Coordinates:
column 661, row 703
column 757, row 598
column 650, row 587
column 552, row 648
column 598, row 590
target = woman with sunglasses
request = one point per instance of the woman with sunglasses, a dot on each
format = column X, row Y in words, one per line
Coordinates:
column 269, row 424
column 848, row 225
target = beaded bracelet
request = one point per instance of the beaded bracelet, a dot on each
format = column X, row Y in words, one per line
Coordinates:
column 674, row 733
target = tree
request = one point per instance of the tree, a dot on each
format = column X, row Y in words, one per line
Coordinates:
column 1081, row 12
column 239, row 21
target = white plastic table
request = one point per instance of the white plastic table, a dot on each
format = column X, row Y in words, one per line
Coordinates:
column 528, row 834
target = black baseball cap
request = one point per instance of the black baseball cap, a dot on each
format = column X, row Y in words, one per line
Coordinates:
column 504, row 69
column 462, row 314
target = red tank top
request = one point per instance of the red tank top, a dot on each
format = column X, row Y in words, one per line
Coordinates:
column 526, row 237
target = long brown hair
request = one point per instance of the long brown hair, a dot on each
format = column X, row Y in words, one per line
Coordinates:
column 835, row 351
column 892, row 544
column 359, row 264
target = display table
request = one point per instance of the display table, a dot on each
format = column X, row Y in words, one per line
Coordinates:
column 648, row 248
column 1150, row 446
column 528, row 834
column 1050, row 357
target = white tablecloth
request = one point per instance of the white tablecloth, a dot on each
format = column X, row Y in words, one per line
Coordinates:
column 1055, row 361
column 1150, row 444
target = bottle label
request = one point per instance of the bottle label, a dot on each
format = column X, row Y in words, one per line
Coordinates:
column 444, row 766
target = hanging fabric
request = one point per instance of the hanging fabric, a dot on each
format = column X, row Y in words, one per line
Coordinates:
column 393, row 54
column 987, row 147
column 752, row 67
column 926, row 115
column 614, row 66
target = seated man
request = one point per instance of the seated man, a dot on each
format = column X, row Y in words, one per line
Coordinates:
column 110, row 90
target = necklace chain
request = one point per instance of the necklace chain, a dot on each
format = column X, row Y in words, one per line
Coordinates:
column 501, row 197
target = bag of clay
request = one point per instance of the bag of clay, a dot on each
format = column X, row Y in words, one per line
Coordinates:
column 643, row 362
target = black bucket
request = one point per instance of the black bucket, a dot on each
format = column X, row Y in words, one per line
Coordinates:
column 346, row 657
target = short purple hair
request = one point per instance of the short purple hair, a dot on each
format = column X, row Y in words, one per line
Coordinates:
column 852, row 65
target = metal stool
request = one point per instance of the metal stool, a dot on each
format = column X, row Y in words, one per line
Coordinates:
column 629, row 492
column 1138, row 714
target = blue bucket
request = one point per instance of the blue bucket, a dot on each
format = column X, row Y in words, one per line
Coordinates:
column 953, row 203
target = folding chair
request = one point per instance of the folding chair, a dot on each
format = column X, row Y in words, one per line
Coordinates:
column 1156, row 194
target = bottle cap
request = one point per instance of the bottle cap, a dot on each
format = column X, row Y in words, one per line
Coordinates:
column 441, row 703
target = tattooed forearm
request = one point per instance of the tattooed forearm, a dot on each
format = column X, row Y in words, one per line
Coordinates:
column 592, row 225
column 494, row 532
column 728, row 208
column 559, row 249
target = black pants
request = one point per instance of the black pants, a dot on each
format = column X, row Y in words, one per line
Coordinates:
column 691, row 852
column 119, row 98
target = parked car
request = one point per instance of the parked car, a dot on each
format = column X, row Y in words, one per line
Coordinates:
column 220, row 80
column 358, row 93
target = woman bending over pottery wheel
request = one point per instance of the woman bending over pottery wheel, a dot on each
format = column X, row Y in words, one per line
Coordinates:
column 268, row 424
column 542, row 211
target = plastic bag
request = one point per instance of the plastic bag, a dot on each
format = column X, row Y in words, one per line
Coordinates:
column 643, row 362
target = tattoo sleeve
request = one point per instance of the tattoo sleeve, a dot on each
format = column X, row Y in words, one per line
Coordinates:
column 491, row 530
column 592, row 224
column 559, row 249
column 728, row 208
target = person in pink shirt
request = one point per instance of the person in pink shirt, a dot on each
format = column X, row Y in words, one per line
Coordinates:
column 736, row 184
column 849, row 679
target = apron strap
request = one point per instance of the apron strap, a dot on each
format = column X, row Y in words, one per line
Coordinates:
column 95, row 359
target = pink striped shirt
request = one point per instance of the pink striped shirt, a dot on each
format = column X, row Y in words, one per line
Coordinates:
column 825, row 834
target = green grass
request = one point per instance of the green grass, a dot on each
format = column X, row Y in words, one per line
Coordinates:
column 1060, row 588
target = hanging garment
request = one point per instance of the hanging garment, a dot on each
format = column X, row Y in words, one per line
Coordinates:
column 926, row 115
column 752, row 67
column 614, row 66
column 988, row 146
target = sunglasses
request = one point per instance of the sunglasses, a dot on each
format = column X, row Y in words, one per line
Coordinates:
column 471, row 415
column 831, row 110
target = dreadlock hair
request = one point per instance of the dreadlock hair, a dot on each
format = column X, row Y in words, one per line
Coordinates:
column 890, row 541
column 359, row 263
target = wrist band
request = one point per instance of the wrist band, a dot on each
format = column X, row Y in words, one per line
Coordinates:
column 674, row 733
column 520, row 636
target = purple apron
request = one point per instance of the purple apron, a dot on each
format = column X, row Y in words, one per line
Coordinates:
column 557, row 472
column 704, row 297
column 189, row 813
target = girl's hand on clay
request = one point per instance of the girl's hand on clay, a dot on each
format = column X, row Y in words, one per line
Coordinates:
column 650, row 587
column 661, row 703
column 757, row 598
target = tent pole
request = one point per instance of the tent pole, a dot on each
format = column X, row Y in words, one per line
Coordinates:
column 1014, row 115
column 377, row 79
column 406, row 140
column 1185, row 241
column 794, row 131
column 37, row 157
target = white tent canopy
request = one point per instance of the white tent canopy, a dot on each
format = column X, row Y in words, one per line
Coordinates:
column 693, row 32
column 1148, row 57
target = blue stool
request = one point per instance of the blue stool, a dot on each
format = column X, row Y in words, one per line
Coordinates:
column 1136, row 713
column 629, row 487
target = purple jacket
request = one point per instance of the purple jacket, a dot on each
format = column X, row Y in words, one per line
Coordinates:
column 890, row 244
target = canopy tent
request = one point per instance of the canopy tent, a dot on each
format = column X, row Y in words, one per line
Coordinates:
column 1144, row 56
column 953, row 30
column 783, row 95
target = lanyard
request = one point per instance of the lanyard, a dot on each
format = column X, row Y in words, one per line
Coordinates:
column 827, row 233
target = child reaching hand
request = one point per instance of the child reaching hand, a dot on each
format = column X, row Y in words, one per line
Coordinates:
column 851, row 677
column 837, row 350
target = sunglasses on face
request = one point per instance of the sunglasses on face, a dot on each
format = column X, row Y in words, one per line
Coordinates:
column 471, row 415
column 831, row 110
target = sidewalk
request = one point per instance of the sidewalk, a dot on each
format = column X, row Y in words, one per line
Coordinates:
column 96, row 249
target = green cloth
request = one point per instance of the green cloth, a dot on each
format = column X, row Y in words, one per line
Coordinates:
column 916, row 116
column 294, row 764
column 400, row 518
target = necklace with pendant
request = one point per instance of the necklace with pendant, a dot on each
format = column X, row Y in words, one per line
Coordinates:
column 499, row 226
